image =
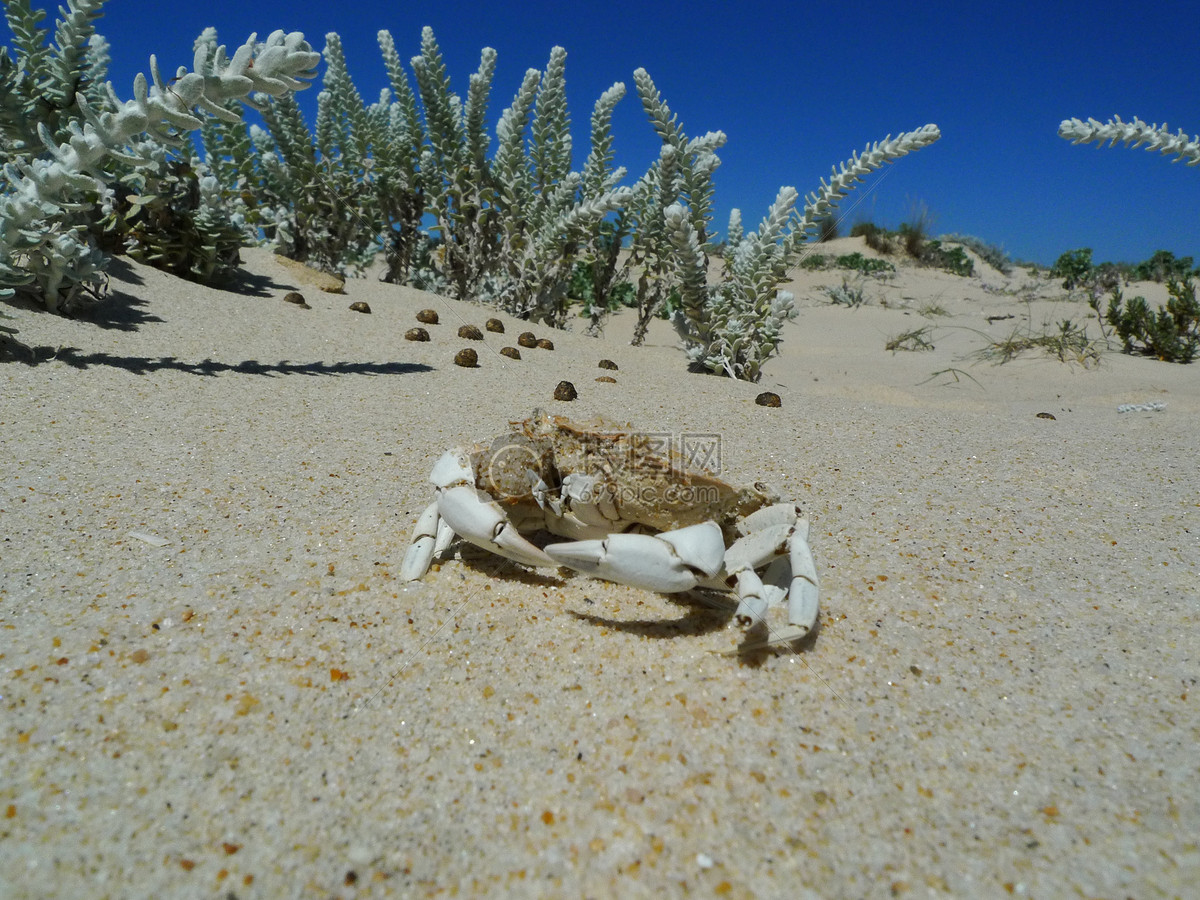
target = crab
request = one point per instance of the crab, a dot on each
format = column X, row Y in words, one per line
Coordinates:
column 629, row 513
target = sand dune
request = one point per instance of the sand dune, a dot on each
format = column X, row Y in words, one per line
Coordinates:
column 214, row 681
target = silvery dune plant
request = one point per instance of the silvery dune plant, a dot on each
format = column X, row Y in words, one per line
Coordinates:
column 52, row 187
column 551, row 214
column 1136, row 133
column 319, row 190
column 511, row 227
column 733, row 326
column 680, row 177
column 332, row 196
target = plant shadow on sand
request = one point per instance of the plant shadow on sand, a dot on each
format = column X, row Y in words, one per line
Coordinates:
column 140, row 365
column 121, row 311
column 118, row 310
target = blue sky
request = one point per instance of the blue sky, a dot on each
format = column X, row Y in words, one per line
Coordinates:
column 797, row 87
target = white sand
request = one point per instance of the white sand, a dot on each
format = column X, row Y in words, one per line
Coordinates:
column 1001, row 696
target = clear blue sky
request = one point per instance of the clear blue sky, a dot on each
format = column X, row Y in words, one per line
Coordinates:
column 796, row 87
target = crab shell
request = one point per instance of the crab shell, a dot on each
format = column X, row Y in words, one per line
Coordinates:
column 625, row 473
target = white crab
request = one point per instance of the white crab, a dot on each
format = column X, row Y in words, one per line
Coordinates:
column 631, row 514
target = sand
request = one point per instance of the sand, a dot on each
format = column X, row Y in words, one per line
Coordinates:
column 215, row 684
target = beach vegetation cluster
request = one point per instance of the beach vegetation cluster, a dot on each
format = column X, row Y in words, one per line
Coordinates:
column 80, row 164
column 732, row 327
column 1162, row 267
column 913, row 239
column 1074, row 267
column 855, row 262
column 414, row 174
column 1067, row 342
column 992, row 254
column 1170, row 333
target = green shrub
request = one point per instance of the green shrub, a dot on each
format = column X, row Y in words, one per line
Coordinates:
column 1074, row 267
column 1163, row 266
column 173, row 220
column 991, row 254
column 858, row 263
column 814, row 262
column 582, row 288
column 1171, row 334
column 955, row 260
column 878, row 239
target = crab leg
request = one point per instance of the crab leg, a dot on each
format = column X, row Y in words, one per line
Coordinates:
column 668, row 562
column 775, row 533
column 424, row 543
column 752, row 599
column 802, row 594
column 431, row 536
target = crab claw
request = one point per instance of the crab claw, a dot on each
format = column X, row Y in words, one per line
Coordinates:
column 668, row 562
column 475, row 518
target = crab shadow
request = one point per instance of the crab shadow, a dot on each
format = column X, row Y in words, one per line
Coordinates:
column 702, row 616
column 706, row 612
column 493, row 566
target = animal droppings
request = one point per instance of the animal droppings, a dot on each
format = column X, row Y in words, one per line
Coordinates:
column 545, row 344
column 427, row 317
column 416, row 334
column 359, row 306
column 494, row 325
column 565, row 391
column 297, row 298
column 510, row 352
column 527, row 339
column 467, row 358
column 767, row 398
column 470, row 333
column 1045, row 415
column 608, row 364
column 607, row 378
